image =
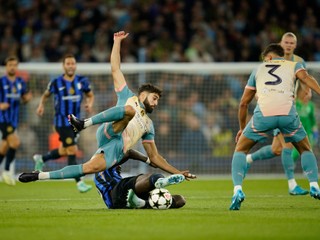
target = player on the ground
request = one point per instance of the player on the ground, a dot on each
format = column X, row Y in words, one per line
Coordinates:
column 133, row 192
column 289, row 44
column 121, row 128
column 273, row 81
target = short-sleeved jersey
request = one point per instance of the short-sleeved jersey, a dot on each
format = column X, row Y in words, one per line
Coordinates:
column 68, row 96
column 274, row 82
column 105, row 181
column 11, row 92
column 296, row 58
column 140, row 126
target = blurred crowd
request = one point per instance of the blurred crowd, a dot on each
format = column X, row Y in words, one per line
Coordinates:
column 161, row 30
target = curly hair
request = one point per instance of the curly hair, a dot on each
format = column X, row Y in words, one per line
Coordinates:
column 148, row 87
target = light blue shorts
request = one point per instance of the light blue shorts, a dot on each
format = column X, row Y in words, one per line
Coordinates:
column 110, row 143
column 259, row 128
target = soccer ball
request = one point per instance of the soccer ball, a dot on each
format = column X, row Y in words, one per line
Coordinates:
column 160, row 198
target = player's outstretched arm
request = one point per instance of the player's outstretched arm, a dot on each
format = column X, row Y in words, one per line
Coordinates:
column 118, row 78
column 136, row 155
column 44, row 98
column 309, row 80
column 162, row 163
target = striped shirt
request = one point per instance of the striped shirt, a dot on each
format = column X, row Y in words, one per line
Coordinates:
column 11, row 92
column 105, row 181
column 68, row 96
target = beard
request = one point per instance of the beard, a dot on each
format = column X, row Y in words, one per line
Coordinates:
column 146, row 103
column 11, row 73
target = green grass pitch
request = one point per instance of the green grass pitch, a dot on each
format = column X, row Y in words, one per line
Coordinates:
column 56, row 210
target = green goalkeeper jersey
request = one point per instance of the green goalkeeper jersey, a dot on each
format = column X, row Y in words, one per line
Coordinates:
column 307, row 115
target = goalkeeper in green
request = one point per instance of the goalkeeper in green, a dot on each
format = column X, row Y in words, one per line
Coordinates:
column 305, row 108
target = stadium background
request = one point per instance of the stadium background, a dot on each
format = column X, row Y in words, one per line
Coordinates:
column 197, row 118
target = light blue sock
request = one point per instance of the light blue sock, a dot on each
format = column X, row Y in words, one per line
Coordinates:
column 239, row 165
column 309, row 166
column 72, row 171
column 287, row 162
column 110, row 115
column 263, row 153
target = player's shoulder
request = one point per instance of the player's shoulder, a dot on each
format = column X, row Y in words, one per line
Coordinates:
column 82, row 78
column 56, row 79
column 20, row 79
column 298, row 59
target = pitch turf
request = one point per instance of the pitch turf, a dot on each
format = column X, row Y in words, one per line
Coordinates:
column 55, row 210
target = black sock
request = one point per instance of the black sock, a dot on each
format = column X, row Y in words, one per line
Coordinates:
column 9, row 158
column 1, row 158
column 54, row 154
column 72, row 161
column 154, row 177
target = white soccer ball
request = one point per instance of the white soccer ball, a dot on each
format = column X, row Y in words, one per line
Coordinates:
column 160, row 199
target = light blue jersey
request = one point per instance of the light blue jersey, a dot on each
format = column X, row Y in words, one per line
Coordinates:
column 114, row 145
column 274, row 82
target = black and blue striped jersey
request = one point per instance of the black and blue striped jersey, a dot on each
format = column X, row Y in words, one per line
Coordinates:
column 11, row 92
column 68, row 96
column 105, row 181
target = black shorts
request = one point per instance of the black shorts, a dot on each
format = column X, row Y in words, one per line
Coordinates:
column 6, row 130
column 120, row 191
column 67, row 136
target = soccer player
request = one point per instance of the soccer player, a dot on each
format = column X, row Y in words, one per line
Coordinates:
column 289, row 44
column 12, row 90
column 133, row 192
column 121, row 128
column 273, row 81
column 306, row 111
column 68, row 90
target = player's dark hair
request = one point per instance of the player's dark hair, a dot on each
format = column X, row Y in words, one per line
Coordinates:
column 274, row 48
column 148, row 87
column 11, row 58
column 68, row 55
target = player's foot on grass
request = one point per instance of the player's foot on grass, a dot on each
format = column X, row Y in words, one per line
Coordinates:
column 39, row 164
column 315, row 193
column 76, row 123
column 82, row 187
column 8, row 178
column 29, row 177
column 298, row 191
column 172, row 179
column 236, row 200
column 133, row 201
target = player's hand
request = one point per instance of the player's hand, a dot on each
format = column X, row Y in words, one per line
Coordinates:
column 88, row 108
column 188, row 175
column 40, row 110
column 4, row 106
column 120, row 35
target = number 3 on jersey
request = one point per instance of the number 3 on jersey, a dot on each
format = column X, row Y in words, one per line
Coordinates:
column 271, row 72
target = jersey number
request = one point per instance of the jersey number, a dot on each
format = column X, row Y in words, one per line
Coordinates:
column 278, row 79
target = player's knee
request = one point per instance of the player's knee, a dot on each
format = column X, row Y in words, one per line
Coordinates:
column 15, row 144
column 277, row 150
column 93, row 167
